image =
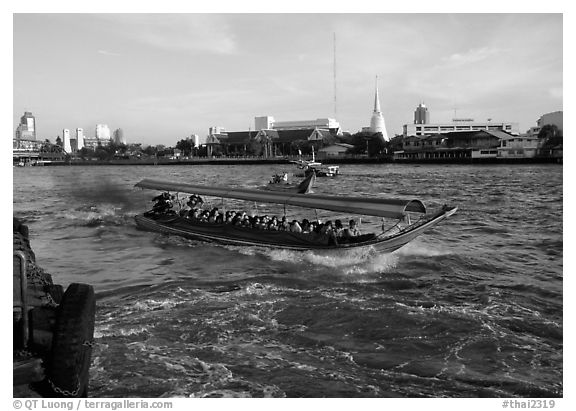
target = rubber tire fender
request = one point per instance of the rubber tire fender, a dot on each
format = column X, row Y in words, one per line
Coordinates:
column 70, row 359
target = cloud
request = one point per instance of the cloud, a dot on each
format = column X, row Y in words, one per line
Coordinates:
column 556, row 92
column 471, row 56
column 192, row 33
column 108, row 53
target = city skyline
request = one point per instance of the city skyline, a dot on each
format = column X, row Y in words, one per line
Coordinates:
column 163, row 77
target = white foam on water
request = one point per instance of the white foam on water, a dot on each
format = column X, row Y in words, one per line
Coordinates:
column 417, row 248
column 343, row 262
column 93, row 214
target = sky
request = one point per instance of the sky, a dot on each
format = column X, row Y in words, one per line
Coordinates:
column 161, row 77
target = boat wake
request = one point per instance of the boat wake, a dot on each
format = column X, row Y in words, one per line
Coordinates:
column 420, row 249
column 360, row 263
column 96, row 216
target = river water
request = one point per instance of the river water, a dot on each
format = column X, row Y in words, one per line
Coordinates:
column 472, row 308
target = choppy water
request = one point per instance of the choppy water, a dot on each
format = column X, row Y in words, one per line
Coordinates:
column 473, row 308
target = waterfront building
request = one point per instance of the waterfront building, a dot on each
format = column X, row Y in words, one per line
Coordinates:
column 273, row 137
column 452, row 145
column 79, row 138
column 518, row 146
column 102, row 132
column 533, row 131
column 555, row 118
column 66, row 146
column 216, row 135
column 26, row 130
column 35, row 152
column 119, row 136
column 462, row 125
column 423, row 127
column 22, row 145
column 377, row 124
column 334, row 151
column 93, row 142
column 272, row 142
column 421, row 114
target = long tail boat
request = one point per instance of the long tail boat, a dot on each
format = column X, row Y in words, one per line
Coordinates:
column 388, row 240
column 303, row 187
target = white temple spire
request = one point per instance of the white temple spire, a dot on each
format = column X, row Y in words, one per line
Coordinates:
column 376, row 99
column 377, row 124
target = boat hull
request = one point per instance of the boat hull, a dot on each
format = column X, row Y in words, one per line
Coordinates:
column 242, row 236
column 303, row 187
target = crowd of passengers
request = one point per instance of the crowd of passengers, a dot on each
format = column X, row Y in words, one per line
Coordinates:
column 194, row 211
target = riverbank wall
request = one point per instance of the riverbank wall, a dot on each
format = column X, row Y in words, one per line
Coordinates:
column 282, row 161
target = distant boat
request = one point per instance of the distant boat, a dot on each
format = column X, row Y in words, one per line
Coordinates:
column 305, row 167
column 386, row 241
column 280, row 183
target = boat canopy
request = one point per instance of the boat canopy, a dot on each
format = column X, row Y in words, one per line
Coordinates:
column 389, row 208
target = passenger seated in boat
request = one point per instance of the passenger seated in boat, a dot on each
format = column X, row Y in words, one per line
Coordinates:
column 317, row 226
column 273, row 224
column 279, row 178
column 163, row 204
column 338, row 228
column 163, row 196
column 352, row 230
column 306, row 226
column 295, row 227
column 212, row 215
column 194, row 200
column 328, row 231
column 263, row 223
column 327, row 228
column 284, row 224
column 237, row 219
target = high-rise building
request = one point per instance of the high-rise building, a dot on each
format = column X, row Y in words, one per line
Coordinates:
column 377, row 124
column 67, row 147
column 263, row 122
column 102, row 132
column 80, row 138
column 26, row 130
column 119, row 136
column 421, row 115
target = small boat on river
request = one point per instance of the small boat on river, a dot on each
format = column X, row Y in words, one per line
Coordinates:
column 305, row 167
column 281, row 183
column 388, row 240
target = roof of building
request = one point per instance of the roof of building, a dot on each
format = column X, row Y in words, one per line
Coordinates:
column 336, row 147
column 470, row 133
column 288, row 136
column 239, row 137
column 500, row 134
column 323, row 133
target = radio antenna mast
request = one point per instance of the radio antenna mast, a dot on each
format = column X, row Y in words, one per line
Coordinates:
column 335, row 107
